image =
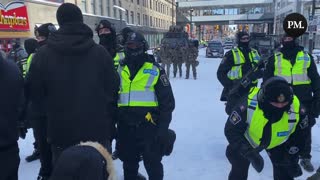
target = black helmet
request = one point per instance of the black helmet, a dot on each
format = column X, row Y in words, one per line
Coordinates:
column 125, row 33
column 135, row 45
column 276, row 89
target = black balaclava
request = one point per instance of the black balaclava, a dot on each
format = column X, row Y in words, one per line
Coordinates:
column 44, row 30
column 107, row 40
column 16, row 44
column 135, row 48
column 290, row 49
column 275, row 89
column 242, row 44
column 125, row 32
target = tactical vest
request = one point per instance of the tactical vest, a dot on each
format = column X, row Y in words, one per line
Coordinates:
column 296, row 74
column 116, row 60
column 139, row 91
column 281, row 130
column 239, row 60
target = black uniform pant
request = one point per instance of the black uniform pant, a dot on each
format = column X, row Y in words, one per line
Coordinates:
column 284, row 166
column 177, row 66
column 194, row 70
column 137, row 140
column 306, row 151
column 9, row 162
column 40, row 132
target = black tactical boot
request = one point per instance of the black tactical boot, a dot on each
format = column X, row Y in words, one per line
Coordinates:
column 306, row 164
column 141, row 177
column 34, row 156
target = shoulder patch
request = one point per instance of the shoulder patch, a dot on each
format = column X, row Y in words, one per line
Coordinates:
column 164, row 80
column 234, row 118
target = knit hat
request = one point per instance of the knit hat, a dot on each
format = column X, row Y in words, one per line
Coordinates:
column 44, row 30
column 69, row 13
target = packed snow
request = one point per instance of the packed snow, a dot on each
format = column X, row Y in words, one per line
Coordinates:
column 198, row 119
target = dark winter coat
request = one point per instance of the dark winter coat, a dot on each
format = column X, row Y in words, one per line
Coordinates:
column 74, row 84
column 11, row 95
column 87, row 161
column 163, row 113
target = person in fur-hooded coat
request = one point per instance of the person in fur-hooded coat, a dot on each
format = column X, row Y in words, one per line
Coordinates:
column 86, row 161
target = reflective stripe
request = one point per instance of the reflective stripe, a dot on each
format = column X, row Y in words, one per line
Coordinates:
column 139, row 91
column 250, row 110
column 145, row 96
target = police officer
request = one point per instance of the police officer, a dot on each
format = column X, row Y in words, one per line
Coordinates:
column 107, row 36
column 145, row 109
column 268, row 119
column 235, row 64
column 39, row 120
column 299, row 69
column 192, row 59
column 17, row 54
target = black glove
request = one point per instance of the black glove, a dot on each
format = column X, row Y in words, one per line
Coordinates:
column 162, row 139
column 22, row 130
column 256, row 160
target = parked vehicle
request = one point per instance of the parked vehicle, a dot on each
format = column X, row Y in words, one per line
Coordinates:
column 214, row 49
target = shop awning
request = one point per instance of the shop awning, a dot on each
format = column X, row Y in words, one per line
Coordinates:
column 15, row 34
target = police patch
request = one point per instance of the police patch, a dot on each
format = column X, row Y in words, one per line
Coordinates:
column 150, row 71
column 283, row 133
column 164, row 80
column 234, row 118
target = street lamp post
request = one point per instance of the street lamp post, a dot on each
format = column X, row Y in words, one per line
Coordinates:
column 122, row 10
column 191, row 25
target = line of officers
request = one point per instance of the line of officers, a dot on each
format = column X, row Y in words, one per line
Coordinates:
column 78, row 91
column 278, row 116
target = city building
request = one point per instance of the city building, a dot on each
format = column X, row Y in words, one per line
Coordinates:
column 151, row 17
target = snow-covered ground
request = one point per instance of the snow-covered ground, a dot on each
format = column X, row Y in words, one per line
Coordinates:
column 198, row 120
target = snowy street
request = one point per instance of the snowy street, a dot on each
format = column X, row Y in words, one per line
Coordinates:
column 198, row 119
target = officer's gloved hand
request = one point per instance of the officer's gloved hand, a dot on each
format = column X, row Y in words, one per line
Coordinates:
column 162, row 139
column 256, row 160
column 315, row 108
column 22, row 130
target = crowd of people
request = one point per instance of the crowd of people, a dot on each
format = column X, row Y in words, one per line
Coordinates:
column 78, row 96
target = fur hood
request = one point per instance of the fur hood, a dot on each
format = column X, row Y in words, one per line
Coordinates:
column 110, row 167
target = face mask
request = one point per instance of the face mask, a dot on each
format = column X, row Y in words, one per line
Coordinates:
column 288, row 44
column 107, row 40
column 272, row 112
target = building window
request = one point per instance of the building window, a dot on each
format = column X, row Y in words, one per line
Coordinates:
column 100, row 8
column 127, row 16
column 150, row 4
column 138, row 18
column 84, row 5
column 132, row 17
column 93, row 8
column 138, row 2
column 108, row 8
column 150, row 20
column 132, row 1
